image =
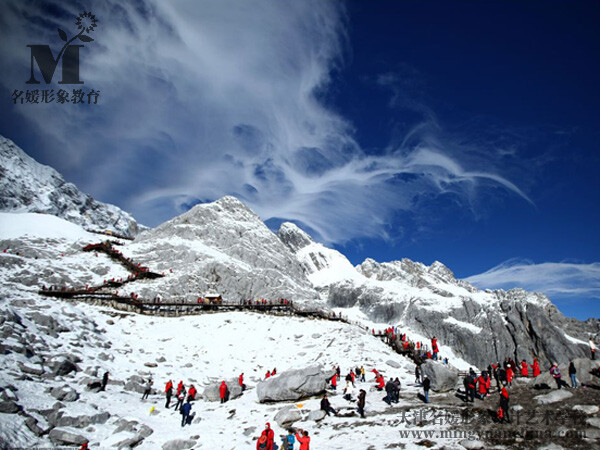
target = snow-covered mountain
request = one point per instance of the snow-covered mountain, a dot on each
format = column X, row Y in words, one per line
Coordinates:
column 221, row 246
column 27, row 186
column 480, row 326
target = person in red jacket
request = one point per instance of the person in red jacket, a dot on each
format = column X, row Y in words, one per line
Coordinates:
column 223, row 392
column 380, row 383
column 509, row 374
column 268, row 375
column 241, row 382
column 536, row 367
column 334, row 382
column 179, row 387
column 192, row 393
column 270, row 435
column 302, row 437
column 524, row 369
column 434, row 347
column 483, row 385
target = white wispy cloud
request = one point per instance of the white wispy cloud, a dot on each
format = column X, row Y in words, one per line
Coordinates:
column 204, row 99
column 560, row 280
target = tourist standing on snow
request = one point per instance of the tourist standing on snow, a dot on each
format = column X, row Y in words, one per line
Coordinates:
column 418, row 373
column 426, row 386
column 180, row 399
column 269, row 435
column 509, row 374
column 291, row 440
column 185, row 412
column 573, row 374
column 223, row 392
column 104, row 381
column 148, row 389
column 302, row 437
column 241, row 382
column 192, row 393
column 168, row 393
column 434, row 348
column 592, row 349
column 362, row 397
column 362, row 374
column 326, row 406
column 334, row 382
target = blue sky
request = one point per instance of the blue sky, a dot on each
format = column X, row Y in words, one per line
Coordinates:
column 458, row 131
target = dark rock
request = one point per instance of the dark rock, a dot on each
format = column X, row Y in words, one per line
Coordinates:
column 64, row 437
column 179, row 444
column 9, row 407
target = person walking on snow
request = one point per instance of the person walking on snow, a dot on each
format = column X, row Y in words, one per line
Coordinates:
column 185, row 412
column 168, row 393
column 180, row 399
column 241, row 382
column 223, row 392
column 148, row 389
column 180, row 387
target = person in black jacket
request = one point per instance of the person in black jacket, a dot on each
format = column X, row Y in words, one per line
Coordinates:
column 469, row 384
column 426, row 386
column 573, row 375
column 362, row 397
column 326, row 406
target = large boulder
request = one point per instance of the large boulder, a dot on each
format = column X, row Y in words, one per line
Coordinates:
column 179, row 444
column 443, row 377
column 211, row 392
column 64, row 437
column 554, row 396
column 64, row 393
column 287, row 416
column 294, row 385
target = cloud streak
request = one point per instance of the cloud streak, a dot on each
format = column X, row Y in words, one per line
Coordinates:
column 205, row 99
column 560, row 280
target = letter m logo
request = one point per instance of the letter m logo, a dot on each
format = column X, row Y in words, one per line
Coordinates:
column 42, row 54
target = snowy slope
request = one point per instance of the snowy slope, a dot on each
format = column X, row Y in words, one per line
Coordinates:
column 27, row 186
column 39, row 333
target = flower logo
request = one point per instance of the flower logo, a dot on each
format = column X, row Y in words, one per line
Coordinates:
column 86, row 21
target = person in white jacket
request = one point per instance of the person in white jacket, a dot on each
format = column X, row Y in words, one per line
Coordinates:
column 593, row 349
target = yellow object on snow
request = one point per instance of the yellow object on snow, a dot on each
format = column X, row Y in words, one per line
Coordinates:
column 299, row 405
column 151, row 410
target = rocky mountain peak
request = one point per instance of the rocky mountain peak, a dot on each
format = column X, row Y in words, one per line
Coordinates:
column 440, row 270
column 294, row 237
column 28, row 186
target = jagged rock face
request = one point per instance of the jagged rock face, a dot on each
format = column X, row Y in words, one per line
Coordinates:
column 221, row 246
column 480, row 326
column 27, row 186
